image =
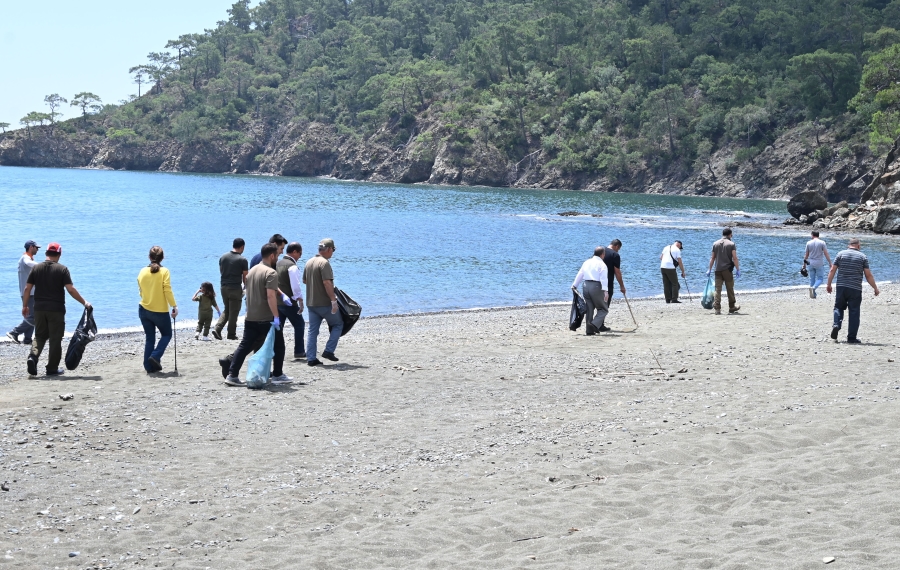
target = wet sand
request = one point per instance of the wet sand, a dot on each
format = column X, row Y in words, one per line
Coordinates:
column 490, row 439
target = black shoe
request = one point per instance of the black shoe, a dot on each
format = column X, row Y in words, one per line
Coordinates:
column 590, row 330
column 13, row 337
column 668, row 301
column 854, row 341
column 299, row 356
column 232, row 338
column 329, row 356
column 676, row 301
column 314, row 362
column 32, row 366
column 57, row 372
column 834, row 332
column 155, row 366
column 605, row 328
column 217, row 335
column 225, row 363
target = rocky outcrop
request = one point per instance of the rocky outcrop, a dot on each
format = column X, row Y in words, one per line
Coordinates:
column 806, row 203
column 46, row 147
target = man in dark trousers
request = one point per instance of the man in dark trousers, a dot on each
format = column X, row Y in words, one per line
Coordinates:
column 725, row 259
column 593, row 274
column 614, row 268
column 262, row 312
column 50, row 280
column 233, row 269
column 670, row 262
column 321, row 303
column 290, row 302
column 851, row 265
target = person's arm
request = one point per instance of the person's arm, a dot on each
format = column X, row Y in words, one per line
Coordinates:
column 167, row 291
column 26, row 295
column 578, row 279
column 828, row 257
column 329, row 290
column 734, row 259
column 296, row 286
column 681, row 264
column 197, row 296
column 871, row 279
column 244, row 277
column 831, row 273
column 271, row 297
column 806, row 255
column 712, row 259
column 619, row 279
column 77, row 296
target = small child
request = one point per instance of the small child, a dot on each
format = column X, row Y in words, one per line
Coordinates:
column 206, row 296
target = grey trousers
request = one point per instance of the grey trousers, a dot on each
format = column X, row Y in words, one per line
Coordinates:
column 593, row 298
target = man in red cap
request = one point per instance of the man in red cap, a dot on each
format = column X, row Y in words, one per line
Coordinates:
column 50, row 280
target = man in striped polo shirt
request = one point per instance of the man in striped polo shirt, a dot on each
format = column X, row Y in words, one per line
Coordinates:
column 851, row 265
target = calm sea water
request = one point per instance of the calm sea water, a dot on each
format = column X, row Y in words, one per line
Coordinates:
column 400, row 248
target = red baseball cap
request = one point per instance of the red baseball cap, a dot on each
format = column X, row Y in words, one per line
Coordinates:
column 54, row 248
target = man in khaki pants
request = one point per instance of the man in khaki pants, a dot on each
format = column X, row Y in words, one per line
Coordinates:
column 233, row 269
column 725, row 259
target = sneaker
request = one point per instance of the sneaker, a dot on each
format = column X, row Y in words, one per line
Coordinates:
column 280, row 380
column 314, row 362
column 329, row 356
column 197, row 336
column 155, row 366
column 13, row 337
column 61, row 371
column 217, row 335
column 834, row 332
column 854, row 341
column 235, row 381
column 225, row 363
column 32, row 366
column 734, row 310
column 205, row 339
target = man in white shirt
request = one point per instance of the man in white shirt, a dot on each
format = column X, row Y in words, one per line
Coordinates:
column 290, row 302
column 26, row 263
column 594, row 275
column 669, row 263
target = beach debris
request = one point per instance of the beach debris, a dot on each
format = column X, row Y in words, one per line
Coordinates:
column 136, row 510
column 828, row 559
column 66, row 397
column 528, row 538
column 683, row 371
column 74, row 554
column 403, row 369
column 4, row 486
column 890, row 359
column 573, row 529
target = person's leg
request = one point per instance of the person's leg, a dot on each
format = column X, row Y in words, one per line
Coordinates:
column 164, row 323
column 41, row 334
column 292, row 315
column 854, row 300
column 587, row 290
column 676, row 284
column 207, row 323
column 253, row 333
column 667, row 286
column 336, row 324
column 57, row 329
column 717, row 304
column 199, row 325
column 315, row 321
column 226, row 311
column 149, row 335
column 278, row 361
column 26, row 327
column 237, row 298
column 602, row 310
column 728, row 277
column 840, row 305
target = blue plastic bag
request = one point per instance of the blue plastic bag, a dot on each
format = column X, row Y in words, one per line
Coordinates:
column 709, row 294
column 260, row 364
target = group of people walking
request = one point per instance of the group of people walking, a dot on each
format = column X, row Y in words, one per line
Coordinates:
column 850, row 266
column 273, row 287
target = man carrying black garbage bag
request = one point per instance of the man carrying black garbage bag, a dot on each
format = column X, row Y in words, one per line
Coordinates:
column 594, row 275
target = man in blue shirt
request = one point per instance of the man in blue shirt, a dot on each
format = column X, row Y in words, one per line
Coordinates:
column 851, row 265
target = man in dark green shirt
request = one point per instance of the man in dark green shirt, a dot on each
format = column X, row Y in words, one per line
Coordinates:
column 233, row 268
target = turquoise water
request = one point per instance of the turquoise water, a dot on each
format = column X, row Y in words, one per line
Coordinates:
column 400, row 248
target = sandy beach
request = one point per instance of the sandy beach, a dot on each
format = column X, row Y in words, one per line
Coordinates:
column 476, row 439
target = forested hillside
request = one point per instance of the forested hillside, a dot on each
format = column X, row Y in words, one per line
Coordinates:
column 600, row 88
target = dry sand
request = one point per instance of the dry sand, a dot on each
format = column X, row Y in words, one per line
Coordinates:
column 495, row 439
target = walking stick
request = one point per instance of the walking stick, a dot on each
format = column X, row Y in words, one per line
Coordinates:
column 688, row 287
column 175, row 338
column 630, row 311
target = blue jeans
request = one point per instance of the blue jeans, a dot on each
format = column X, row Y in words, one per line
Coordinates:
column 844, row 298
column 816, row 276
column 335, row 322
column 295, row 316
column 26, row 327
column 151, row 321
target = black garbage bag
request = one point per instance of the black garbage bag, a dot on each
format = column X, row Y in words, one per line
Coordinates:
column 579, row 308
column 350, row 310
column 85, row 333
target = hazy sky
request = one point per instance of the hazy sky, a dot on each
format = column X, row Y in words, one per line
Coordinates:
column 52, row 46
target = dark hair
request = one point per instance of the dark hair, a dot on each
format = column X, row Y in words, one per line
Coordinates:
column 156, row 257
column 616, row 243
column 726, row 232
column 599, row 251
column 815, row 233
column 238, row 243
column 680, row 245
column 277, row 239
column 207, row 289
column 268, row 250
column 294, row 246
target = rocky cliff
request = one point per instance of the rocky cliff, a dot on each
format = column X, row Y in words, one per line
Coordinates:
column 796, row 161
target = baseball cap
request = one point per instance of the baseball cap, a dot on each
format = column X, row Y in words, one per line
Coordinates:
column 31, row 243
column 327, row 243
column 54, row 248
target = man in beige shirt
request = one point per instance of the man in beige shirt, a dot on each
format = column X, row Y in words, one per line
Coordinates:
column 322, row 303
